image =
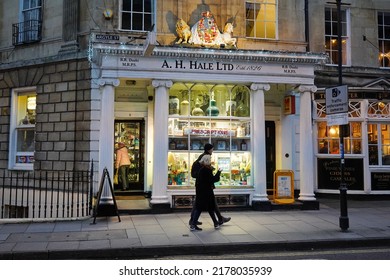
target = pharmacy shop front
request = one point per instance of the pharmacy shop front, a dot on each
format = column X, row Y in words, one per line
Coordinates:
column 254, row 107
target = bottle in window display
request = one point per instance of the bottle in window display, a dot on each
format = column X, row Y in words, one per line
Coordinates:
column 242, row 109
column 212, row 110
column 173, row 105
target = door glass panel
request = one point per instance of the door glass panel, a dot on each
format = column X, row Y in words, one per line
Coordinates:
column 131, row 134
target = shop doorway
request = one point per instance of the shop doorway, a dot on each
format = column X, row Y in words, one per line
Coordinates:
column 270, row 154
column 132, row 134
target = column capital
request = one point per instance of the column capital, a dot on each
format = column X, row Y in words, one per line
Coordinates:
column 106, row 82
column 256, row 86
column 307, row 88
column 162, row 83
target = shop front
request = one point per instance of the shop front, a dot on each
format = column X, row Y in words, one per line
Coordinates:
column 184, row 98
column 366, row 143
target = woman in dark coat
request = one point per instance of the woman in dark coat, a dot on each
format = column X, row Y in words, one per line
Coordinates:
column 205, row 199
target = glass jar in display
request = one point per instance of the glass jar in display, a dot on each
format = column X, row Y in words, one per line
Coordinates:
column 212, row 110
column 197, row 111
column 173, row 105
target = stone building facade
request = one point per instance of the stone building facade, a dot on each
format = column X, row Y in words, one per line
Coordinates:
column 100, row 71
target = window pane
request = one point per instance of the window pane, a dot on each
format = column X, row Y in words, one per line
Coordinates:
column 263, row 13
column 148, row 6
column 25, row 140
column 126, row 21
column 137, row 22
column 138, row 6
column 126, row 6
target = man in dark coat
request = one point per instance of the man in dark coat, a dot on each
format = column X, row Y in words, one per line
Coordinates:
column 205, row 199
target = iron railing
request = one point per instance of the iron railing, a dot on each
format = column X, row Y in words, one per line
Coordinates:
column 46, row 194
column 26, row 32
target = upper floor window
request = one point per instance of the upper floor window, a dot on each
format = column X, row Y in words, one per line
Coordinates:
column 137, row 15
column 261, row 19
column 331, row 35
column 22, row 129
column 29, row 28
column 384, row 38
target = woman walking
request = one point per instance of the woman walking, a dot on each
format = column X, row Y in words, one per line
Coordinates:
column 205, row 199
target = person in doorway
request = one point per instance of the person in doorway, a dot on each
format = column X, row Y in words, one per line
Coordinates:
column 208, row 150
column 122, row 163
column 205, row 198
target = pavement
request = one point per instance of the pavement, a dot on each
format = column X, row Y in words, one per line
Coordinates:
column 151, row 235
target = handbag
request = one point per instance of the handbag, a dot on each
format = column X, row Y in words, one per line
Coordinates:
column 116, row 178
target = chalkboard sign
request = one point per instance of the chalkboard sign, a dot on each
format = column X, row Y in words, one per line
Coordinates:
column 329, row 173
column 380, row 181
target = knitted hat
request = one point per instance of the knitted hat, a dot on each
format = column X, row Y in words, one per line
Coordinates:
column 208, row 147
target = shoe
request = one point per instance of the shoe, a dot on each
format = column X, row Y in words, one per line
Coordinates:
column 224, row 220
column 217, row 226
column 197, row 222
column 195, row 228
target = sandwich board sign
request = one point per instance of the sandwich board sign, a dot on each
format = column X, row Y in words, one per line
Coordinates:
column 337, row 105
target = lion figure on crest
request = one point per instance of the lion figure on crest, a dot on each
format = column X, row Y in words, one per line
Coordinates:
column 183, row 31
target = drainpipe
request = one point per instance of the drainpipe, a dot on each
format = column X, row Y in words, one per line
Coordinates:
column 307, row 37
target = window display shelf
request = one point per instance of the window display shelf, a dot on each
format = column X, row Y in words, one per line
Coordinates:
column 216, row 114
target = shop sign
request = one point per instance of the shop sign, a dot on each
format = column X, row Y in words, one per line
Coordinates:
column 380, row 181
column 329, row 173
column 203, row 66
column 289, row 105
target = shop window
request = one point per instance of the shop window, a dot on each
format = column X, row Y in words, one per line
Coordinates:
column 328, row 141
column 261, row 19
column 378, row 143
column 136, row 15
column 384, row 38
column 22, row 134
column 217, row 114
column 331, row 35
column 378, row 109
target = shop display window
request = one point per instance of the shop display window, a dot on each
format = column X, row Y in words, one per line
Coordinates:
column 216, row 114
column 378, row 143
column 328, row 141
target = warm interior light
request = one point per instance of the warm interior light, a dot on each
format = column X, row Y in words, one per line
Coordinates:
column 31, row 102
column 332, row 131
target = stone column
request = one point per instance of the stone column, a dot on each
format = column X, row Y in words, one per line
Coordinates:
column 306, row 151
column 70, row 26
column 106, row 143
column 260, row 198
column 160, row 199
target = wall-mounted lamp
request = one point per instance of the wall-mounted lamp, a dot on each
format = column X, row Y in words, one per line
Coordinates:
column 108, row 13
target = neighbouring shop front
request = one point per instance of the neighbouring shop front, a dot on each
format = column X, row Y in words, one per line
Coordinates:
column 183, row 98
column 366, row 144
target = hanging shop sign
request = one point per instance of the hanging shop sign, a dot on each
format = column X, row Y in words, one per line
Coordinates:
column 289, row 105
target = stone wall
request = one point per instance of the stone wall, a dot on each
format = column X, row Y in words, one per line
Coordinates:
column 62, row 139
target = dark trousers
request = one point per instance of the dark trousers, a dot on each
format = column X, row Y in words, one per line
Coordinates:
column 123, row 175
column 197, row 213
column 217, row 211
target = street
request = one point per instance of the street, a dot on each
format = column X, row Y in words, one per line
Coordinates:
column 318, row 254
